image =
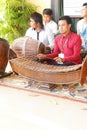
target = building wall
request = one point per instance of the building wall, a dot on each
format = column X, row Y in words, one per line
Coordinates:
column 41, row 4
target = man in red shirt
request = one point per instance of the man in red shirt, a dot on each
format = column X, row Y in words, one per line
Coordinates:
column 67, row 46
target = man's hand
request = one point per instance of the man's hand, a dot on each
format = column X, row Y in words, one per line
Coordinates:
column 58, row 59
column 41, row 56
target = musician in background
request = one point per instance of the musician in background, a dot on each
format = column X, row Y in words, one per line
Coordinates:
column 48, row 20
column 38, row 32
column 67, row 45
column 82, row 27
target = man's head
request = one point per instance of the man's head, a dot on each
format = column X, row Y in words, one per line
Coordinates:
column 36, row 19
column 84, row 10
column 47, row 15
column 64, row 24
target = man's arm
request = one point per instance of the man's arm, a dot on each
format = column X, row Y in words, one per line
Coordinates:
column 50, row 37
column 76, row 51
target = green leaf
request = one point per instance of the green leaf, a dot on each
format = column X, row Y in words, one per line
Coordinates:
column 14, row 19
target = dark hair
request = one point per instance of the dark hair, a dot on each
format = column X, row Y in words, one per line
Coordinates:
column 37, row 17
column 48, row 11
column 67, row 18
column 85, row 4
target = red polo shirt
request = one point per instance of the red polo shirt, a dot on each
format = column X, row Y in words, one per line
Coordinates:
column 70, row 46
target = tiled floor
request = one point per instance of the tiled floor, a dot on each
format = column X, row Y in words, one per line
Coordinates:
column 20, row 110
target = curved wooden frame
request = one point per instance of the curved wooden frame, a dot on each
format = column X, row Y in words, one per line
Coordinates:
column 34, row 72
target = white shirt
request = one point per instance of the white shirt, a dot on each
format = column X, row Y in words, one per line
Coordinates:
column 52, row 25
column 45, row 36
column 82, row 30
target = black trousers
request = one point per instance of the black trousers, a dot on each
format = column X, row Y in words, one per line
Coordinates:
column 53, row 62
column 65, row 64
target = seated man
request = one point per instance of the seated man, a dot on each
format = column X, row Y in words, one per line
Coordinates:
column 82, row 27
column 48, row 21
column 38, row 32
column 67, row 45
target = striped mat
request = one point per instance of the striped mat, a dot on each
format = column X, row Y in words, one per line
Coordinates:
column 73, row 92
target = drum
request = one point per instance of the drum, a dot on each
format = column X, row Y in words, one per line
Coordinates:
column 4, row 55
column 12, row 54
column 27, row 47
